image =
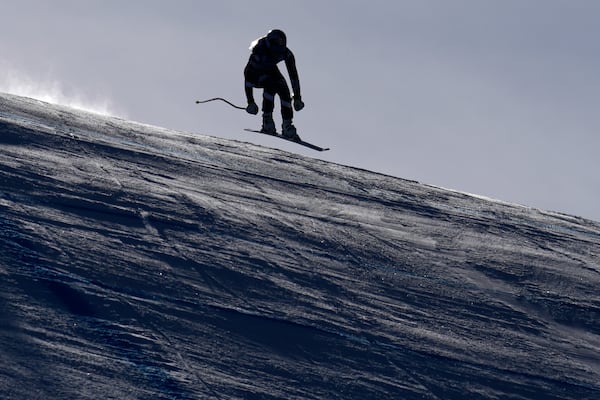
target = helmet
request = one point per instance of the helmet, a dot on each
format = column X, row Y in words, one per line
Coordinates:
column 276, row 38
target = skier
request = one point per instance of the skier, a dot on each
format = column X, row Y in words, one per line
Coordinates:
column 262, row 72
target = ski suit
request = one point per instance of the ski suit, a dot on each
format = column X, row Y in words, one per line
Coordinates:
column 262, row 72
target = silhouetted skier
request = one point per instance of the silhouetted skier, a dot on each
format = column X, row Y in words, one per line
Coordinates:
column 262, row 72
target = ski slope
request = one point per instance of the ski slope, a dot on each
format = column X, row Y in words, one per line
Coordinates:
column 138, row 262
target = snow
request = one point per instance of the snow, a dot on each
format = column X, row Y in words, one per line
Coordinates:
column 140, row 262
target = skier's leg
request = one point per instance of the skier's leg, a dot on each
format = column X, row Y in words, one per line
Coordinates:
column 268, row 104
column 268, row 125
column 281, row 88
column 287, row 113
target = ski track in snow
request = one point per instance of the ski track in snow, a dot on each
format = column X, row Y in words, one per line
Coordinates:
column 138, row 262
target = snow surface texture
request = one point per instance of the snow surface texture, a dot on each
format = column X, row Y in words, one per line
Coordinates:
column 142, row 263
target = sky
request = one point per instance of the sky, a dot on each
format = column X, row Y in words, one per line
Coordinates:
column 496, row 98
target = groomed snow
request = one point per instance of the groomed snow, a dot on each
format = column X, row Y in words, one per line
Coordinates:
column 142, row 263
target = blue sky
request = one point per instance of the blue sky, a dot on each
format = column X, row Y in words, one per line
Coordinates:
column 497, row 98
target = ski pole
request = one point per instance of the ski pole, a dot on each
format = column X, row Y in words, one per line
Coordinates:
column 222, row 99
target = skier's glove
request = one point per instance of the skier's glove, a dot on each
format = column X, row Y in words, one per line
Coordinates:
column 298, row 103
column 252, row 108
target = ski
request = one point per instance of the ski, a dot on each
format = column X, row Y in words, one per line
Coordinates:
column 300, row 142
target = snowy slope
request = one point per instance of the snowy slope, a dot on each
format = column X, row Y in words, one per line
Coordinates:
column 142, row 263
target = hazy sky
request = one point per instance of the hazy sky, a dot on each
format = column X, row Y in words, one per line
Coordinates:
column 498, row 98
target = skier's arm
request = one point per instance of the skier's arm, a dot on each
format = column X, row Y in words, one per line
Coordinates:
column 252, row 108
column 249, row 93
column 290, row 63
column 247, row 83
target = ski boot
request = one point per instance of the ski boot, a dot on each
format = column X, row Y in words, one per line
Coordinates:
column 288, row 131
column 268, row 125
